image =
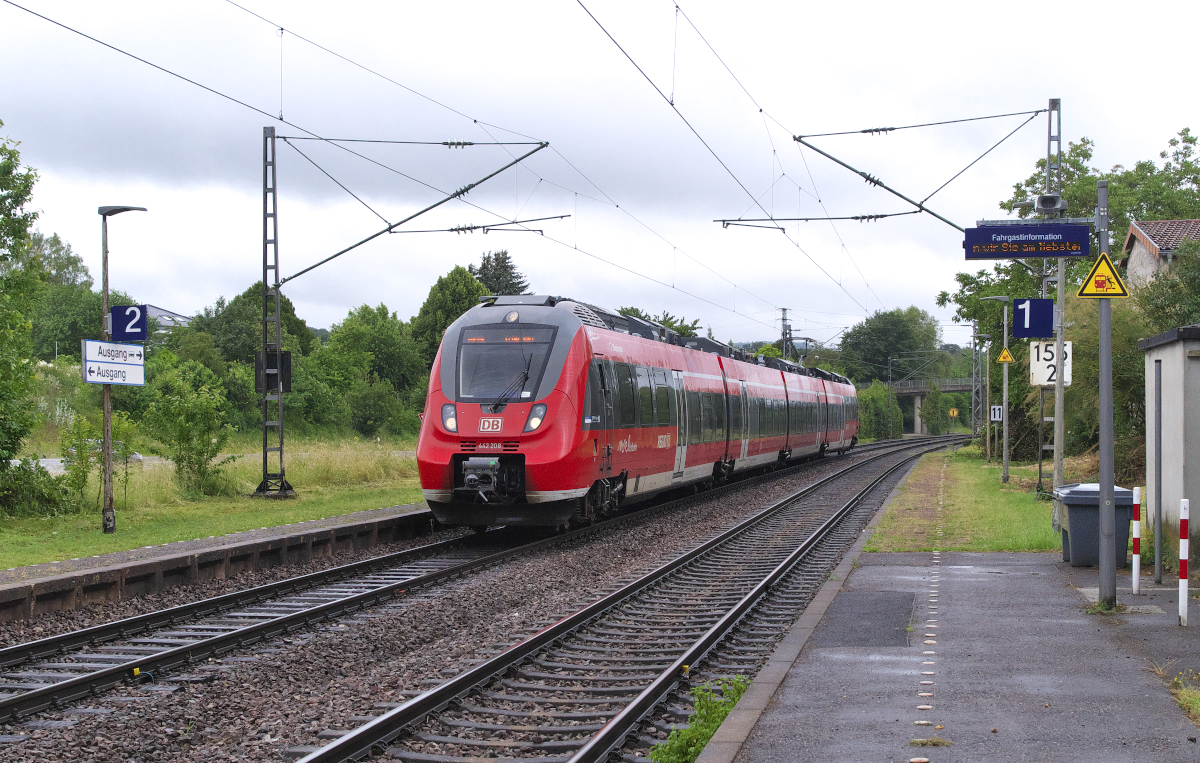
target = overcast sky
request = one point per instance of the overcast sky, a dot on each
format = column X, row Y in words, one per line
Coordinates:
column 642, row 190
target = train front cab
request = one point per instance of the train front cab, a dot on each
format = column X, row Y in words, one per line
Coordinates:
column 500, row 442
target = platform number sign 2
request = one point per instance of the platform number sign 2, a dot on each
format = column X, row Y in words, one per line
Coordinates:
column 1033, row 318
column 128, row 323
column 1042, row 366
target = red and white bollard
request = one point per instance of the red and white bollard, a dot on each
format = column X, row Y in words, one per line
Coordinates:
column 1183, row 560
column 1137, row 540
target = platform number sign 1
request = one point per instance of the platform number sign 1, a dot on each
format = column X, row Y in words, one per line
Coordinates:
column 128, row 323
column 997, row 413
column 1042, row 367
column 1033, row 318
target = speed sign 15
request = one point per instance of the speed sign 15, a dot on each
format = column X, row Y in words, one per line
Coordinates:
column 1042, row 366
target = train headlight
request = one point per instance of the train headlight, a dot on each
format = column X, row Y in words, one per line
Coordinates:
column 449, row 417
column 536, row 415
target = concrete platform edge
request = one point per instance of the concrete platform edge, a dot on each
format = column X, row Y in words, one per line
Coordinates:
column 75, row 590
column 727, row 742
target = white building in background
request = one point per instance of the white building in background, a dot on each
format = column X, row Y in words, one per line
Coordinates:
column 1149, row 246
column 167, row 320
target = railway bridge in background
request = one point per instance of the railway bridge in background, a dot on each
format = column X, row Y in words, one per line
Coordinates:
column 917, row 389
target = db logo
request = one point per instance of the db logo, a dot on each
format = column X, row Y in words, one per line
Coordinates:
column 491, row 424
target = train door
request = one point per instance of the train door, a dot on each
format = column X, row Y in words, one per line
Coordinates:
column 608, row 422
column 744, row 401
column 681, row 434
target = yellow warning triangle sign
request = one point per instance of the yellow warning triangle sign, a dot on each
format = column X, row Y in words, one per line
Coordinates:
column 1005, row 357
column 1103, row 281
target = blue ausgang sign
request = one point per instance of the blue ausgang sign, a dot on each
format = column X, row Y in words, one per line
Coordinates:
column 1001, row 242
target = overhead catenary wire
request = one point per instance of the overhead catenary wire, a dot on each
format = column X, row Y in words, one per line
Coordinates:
column 447, row 143
column 877, row 182
column 315, row 136
column 766, row 115
column 455, row 195
column 743, row 221
column 339, row 183
column 484, row 125
column 714, row 153
column 885, row 130
column 980, row 157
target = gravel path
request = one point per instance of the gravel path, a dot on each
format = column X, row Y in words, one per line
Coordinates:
column 287, row 691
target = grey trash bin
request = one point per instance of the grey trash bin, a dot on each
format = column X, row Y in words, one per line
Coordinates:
column 1079, row 517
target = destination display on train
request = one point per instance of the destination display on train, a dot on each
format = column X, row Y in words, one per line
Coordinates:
column 999, row 242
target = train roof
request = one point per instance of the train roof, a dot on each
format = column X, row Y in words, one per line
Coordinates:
column 593, row 315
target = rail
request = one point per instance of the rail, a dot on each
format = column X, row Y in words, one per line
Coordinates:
column 382, row 730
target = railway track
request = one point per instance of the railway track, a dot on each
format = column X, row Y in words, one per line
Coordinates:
column 71, row 666
column 584, row 688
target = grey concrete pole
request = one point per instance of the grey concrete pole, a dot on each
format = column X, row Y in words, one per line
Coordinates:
column 1108, row 549
column 108, row 513
column 987, row 419
column 1060, row 404
column 1004, row 476
column 1158, row 544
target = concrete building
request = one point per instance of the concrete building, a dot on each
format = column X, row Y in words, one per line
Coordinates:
column 1178, row 350
column 1150, row 243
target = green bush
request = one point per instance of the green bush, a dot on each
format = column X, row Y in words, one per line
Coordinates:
column 373, row 403
column 28, row 490
column 189, row 422
column 685, row 745
column 79, row 446
column 879, row 414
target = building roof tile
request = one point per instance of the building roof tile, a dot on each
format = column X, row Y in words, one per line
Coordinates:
column 1161, row 236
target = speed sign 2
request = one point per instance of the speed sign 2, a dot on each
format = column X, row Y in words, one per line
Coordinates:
column 1041, row 364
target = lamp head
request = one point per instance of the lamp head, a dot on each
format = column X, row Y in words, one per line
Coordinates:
column 110, row 211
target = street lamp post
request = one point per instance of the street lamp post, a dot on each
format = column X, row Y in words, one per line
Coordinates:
column 109, row 513
column 1004, row 299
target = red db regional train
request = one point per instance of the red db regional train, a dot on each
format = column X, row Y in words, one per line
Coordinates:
column 546, row 411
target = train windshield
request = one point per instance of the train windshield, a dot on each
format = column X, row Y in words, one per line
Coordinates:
column 502, row 363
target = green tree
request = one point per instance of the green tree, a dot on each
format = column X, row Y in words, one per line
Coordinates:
column 16, row 191
column 16, row 287
column 199, row 346
column 935, row 411
column 1173, row 299
column 909, row 337
column 452, row 295
column 394, row 355
column 65, row 314
column 1147, row 191
column 53, row 257
column 499, row 274
column 373, row 403
column 236, row 326
column 189, row 421
column 679, row 325
column 879, row 414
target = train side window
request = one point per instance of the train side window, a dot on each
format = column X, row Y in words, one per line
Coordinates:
column 735, row 417
column 645, row 397
column 719, row 418
column 662, row 397
column 706, row 416
column 628, row 406
column 693, row 411
column 593, row 400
